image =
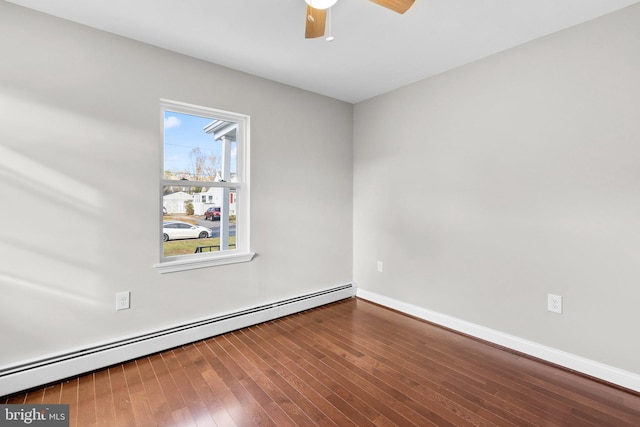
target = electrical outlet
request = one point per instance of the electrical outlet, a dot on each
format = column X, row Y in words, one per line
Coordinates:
column 380, row 266
column 554, row 303
column 123, row 300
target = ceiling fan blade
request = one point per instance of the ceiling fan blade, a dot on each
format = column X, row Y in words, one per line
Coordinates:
column 315, row 20
column 400, row 6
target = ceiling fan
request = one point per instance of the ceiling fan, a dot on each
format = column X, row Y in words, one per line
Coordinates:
column 317, row 13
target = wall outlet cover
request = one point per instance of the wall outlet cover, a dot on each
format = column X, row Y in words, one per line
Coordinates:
column 123, row 300
column 554, row 303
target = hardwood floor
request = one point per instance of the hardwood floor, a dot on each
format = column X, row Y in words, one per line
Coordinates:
column 351, row 363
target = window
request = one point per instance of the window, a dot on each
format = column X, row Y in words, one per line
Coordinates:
column 204, row 188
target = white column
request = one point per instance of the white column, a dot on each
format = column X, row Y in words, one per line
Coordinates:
column 224, row 209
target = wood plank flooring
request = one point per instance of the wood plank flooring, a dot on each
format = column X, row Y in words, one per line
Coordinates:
column 351, row 363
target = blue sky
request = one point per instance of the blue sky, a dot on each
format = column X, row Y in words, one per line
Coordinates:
column 182, row 133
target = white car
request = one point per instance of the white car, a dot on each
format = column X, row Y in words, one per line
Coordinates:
column 183, row 230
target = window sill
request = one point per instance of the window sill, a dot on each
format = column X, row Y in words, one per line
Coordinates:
column 202, row 262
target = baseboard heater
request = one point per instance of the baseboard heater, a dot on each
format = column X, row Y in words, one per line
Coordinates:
column 57, row 367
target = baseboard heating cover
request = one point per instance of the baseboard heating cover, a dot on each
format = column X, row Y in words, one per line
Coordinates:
column 45, row 370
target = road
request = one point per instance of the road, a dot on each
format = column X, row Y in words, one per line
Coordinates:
column 215, row 227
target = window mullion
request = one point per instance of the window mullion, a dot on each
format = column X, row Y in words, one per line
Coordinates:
column 185, row 183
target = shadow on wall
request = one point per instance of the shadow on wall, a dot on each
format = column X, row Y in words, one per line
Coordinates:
column 49, row 240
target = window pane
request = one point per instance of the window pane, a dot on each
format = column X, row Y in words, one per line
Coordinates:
column 204, row 173
column 199, row 148
column 198, row 219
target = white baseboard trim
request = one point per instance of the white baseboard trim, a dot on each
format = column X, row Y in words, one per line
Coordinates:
column 585, row 366
column 55, row 367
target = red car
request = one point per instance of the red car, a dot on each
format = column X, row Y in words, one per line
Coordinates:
column 213, row 213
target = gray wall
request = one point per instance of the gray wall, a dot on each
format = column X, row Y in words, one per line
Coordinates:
column 482, row 189
column 485, row 188
column 80, row 145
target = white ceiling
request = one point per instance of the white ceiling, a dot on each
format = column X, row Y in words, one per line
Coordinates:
column 375, row 50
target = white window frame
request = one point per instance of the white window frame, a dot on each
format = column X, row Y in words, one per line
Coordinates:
column 242, row 252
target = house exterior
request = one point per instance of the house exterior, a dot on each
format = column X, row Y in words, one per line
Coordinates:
column 175, row 203
column 212, row 197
